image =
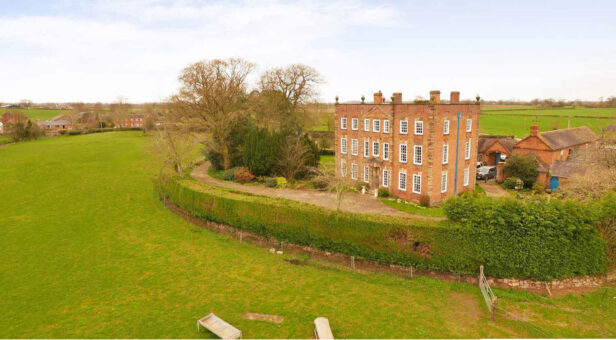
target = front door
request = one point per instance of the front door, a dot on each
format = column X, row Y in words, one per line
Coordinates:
column 554, row 183
column 376, row 177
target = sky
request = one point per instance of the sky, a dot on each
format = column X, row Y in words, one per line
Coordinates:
column 90, row 51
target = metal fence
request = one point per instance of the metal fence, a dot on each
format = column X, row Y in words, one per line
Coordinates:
column 487, row 293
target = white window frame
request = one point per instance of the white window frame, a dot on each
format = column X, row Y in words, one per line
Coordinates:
column 404, row 127
column 417, row 155
column 376, row 125
column 366, row 174
column 354, row 147
column 467, row 150
column 385, row 125
column 354, row 170
column 419, row 126
column 367, row 125
column 445, row 153
column 443, row 182
column 343, row 145
column 343, row 123
column 401, row 175
column 354, row 124
column 405, row 153
column 416, row 183
column 467, row 176
column 385, row 179
column 446, row 127
column 386, row 151
column 376, row 147
column 469, row 125
column 366, row 148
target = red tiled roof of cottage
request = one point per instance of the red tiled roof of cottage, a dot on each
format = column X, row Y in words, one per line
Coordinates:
column 486, row 142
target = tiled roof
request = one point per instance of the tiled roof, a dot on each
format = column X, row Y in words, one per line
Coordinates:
column 561, row 139
column 485, row 143
column 567, row 169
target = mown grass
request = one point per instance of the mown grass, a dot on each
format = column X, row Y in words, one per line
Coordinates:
column 41, row 114
column 413, row 208
column 327, row 164
column 89, row 251
column 520, row 126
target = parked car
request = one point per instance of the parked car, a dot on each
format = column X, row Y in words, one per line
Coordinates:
column 479, row 165
column 486, row 172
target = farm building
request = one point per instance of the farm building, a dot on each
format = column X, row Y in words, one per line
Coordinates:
column 553, row 150
column 55, row 125
column 132, row 120
column 12, row 118
column 493, row 150
column 410, row 149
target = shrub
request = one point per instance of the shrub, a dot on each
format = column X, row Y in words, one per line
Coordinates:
column 510, row 182
column 320, row 183
column 281, row 182
column 538, row 188
column 229, row 175
column 539, row 239
column 260, row 151
column 383, row 192
column 242, row 175
column 424, row 200
column 271, row 182
column 524, row 167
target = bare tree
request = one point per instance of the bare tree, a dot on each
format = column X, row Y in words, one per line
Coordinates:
column 293, row 156
column 212, row 98
column 288, row 90
column 173, row 145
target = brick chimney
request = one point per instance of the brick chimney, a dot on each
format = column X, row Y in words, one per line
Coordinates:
column 435, row 97
column 534, row 130
column 378, row 98
column 397, row 97
column 455, row 97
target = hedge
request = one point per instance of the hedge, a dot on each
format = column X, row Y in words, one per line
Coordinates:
column 424, row 244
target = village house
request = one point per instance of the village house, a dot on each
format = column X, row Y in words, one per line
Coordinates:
column 412, row 150
column 492, row 150
column 12, row 118
column 553, row 150
column 132, row 120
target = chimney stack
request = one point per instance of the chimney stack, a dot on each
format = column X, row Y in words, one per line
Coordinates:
column 455, row 97
column 534, row 129
column 397, row 98
column 435, row 97
column 378, row 98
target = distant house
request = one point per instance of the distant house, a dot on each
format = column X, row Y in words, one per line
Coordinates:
column 132, row 121
column 491, row 148
column 553, row 150
column 12, row 118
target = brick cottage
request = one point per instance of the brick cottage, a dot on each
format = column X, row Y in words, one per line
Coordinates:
column 409, row 149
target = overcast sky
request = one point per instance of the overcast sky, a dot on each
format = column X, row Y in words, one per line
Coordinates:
column 98, row 50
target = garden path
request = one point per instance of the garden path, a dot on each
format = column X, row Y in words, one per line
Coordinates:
column 492, row 189
column 351, row 202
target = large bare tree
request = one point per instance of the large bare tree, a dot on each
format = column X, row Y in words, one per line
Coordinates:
column 212, row 98
column 287, row 90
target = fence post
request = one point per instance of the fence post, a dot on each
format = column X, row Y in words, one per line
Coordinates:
column 240, row 236
column 493, row 309
column 353, row 262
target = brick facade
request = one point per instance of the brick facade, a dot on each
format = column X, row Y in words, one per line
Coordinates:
column 424, row 174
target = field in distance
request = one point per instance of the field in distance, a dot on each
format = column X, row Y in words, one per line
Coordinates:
column 89, row 251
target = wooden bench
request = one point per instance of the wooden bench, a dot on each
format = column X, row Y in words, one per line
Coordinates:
column 322, row 329
column 219, row 327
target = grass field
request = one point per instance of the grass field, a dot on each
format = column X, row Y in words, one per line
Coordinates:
column 40, row 114
column 413, row 208
column 89, row 251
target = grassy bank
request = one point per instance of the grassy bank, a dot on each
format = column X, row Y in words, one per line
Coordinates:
column 89, row 251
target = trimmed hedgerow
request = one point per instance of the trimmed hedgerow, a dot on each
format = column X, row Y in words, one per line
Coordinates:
column 533, row 238
column 460, row 247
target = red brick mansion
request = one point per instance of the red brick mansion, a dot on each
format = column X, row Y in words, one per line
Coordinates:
column 411, row 149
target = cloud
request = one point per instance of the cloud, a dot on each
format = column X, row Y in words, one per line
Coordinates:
column 126, row 48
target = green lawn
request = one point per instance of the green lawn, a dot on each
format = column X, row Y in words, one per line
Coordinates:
column 566, row 111
column 89, row 251
column 413, row 208
column 327, row 164
column 41, row 114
